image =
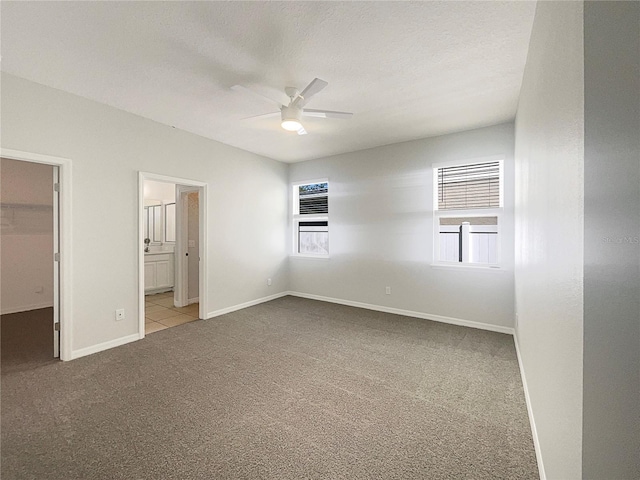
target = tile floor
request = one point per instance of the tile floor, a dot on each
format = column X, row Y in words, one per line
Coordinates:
column 160, row 313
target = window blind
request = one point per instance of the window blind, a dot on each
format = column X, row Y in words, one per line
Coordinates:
column 469, row 186
column 313, row 199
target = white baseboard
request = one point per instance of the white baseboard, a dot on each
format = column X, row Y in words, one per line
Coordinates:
column 409, row 313
column 136, row 336
column 83, row 352
column 250, row 303
column 193, row 300
column 156, row 291
column 534, row 431
column 26, row 308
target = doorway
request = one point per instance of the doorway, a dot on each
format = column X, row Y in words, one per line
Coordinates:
column 30, row 229
column 172, row 244
column 188, row 229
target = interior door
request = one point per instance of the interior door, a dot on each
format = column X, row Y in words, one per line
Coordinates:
column 182, row 248
column 56, row 262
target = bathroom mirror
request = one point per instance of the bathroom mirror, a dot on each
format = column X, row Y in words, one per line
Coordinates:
column 153, row 223
column 170, row 222
column 156, row 235
column 146, row 222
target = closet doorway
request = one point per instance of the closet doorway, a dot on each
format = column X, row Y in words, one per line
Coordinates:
column 34, row 201
column 172, row 258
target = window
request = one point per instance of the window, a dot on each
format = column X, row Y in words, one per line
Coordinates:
column 468, row 204
column 469, row 239
column 311, row 218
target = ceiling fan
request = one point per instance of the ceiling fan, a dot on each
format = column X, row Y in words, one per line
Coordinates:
column 292, row 113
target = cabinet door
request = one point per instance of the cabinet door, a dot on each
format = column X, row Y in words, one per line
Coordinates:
column 163, row 276
column 150, row 275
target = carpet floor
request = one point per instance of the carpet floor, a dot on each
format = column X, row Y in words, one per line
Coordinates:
column 289, row 389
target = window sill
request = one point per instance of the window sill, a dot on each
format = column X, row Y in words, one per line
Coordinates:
column 309, row 255
column 481, row 268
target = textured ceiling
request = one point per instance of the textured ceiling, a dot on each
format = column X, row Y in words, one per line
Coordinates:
column 406, row 69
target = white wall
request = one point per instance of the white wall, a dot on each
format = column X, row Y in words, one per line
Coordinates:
column 155, row 192
column 381, row 230
column 107, row 147
column 611, row 439
column 549, row 152
column 27, row 236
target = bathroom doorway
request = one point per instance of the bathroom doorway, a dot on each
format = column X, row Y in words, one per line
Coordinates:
column 172, row 231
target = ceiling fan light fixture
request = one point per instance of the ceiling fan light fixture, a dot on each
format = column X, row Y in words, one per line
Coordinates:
column 291, row 118
column 292, row 113
column 291, row 125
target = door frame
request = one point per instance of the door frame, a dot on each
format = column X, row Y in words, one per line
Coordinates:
column 56, row 263
column 64, row 293
column 202, row 211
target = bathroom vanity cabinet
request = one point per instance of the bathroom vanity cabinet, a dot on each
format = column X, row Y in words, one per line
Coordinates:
column 158, row 271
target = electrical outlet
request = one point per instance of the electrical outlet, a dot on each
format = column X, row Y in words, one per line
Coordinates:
column 119, row 314
column 269, row 281
column 387, row 290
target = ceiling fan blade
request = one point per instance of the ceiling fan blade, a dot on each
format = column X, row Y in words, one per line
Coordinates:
column 302, row 131
column 241, row 89
column 262, row 115
column 309, row 112
column 314, row 87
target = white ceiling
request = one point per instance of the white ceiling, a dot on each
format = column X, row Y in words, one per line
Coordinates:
column 406, row 69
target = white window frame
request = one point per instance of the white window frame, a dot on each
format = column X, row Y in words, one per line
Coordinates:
column 296, row 217
column 469, row 213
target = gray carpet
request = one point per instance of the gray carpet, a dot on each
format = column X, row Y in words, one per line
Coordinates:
column 289, row 389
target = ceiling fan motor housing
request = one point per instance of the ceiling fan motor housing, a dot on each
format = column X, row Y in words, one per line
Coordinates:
column 292, row 92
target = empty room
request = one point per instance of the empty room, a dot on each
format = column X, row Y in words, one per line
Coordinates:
column 320, row 240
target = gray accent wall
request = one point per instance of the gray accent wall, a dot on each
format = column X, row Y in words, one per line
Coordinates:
column 611, row 428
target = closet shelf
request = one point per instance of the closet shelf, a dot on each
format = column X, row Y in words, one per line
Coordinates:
column 25, row 206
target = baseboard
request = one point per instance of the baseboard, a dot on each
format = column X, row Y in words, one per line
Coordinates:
column 26, row 308
column 534, row 431
column 156, row 291
column 409, row 313
column 83, row 352
column 250, row 303
column 193, row 300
